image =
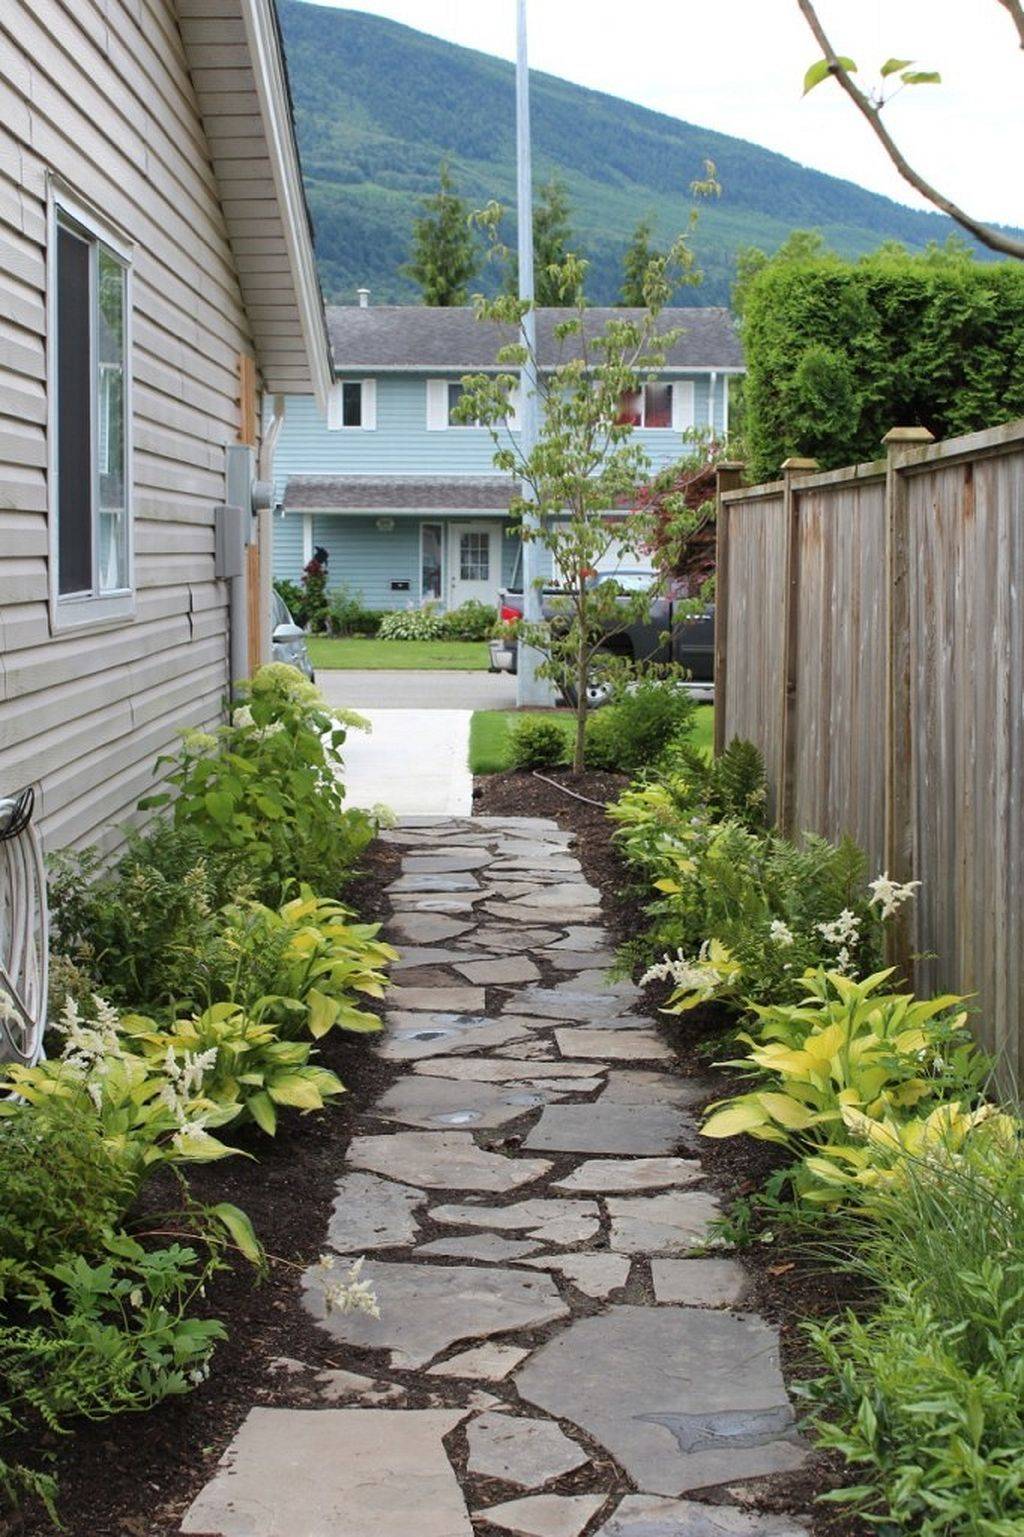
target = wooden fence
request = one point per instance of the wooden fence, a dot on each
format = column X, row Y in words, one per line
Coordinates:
column 870, row 640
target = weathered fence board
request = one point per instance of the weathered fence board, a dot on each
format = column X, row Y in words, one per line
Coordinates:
column 904, row 710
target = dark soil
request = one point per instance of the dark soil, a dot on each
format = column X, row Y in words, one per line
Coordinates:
column 133, row 1476
column 789, row 1287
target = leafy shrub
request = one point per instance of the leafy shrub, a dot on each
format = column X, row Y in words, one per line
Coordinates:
column 844, row 1071
column 536, row 742
column 348, row 615
column 60, row 1190
column 314, row 592
column 266, row 788
column 149, row 931
column 926, row 1396
column 412, row 624
column 294, row 599
column 472, row 620
column 634, row 730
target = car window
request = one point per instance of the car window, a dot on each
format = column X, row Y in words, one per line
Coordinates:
column 630, row 581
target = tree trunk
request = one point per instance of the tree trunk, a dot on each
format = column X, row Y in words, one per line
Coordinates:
column 582, row 671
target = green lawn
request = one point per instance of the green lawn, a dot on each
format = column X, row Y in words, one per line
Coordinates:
column 488, row 734
column 360, row 653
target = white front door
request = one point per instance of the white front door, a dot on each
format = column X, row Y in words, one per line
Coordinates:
column 474, row 562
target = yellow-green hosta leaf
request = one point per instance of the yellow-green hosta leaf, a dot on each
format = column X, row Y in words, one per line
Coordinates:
column 323, row 1012
column 669, row 886
column 789, row 1112
column 296, row 1090
column 240, row 1229
column 742, row 1115
column 197, row 1146
column 358, row 1021
column 261, row 1107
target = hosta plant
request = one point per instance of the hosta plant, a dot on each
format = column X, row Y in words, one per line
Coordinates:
column 300, row 967
column 848, row 1055
column 240, row 1064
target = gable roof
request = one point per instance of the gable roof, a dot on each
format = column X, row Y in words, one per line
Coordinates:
column 236, row 60
column 415, row 338
column 398, row 493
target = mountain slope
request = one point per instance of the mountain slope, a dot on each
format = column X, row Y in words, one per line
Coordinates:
column 378, row 105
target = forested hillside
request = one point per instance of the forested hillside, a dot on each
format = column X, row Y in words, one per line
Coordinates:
column 378, row 105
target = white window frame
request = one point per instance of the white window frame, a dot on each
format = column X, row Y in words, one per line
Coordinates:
column 95, row 610
column 367, row 406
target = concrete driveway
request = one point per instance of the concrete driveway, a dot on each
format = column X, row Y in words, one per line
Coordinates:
column 385, row 690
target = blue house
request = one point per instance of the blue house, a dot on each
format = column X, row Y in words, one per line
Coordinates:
column 406, row 501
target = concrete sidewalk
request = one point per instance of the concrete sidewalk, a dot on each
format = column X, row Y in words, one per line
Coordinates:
column 414, row 761
column 387, row 690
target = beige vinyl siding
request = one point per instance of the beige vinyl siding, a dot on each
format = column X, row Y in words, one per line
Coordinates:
column 99, row 92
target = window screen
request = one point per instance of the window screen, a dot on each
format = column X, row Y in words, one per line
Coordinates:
column 657, row 405
column 352, row 403
column 74, row 413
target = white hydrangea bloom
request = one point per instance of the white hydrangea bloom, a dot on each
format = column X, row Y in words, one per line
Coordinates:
column 780, row 933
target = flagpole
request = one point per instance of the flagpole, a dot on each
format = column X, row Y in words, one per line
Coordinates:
column 529, row 688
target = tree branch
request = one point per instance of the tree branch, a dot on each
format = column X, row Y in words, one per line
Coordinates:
column 993, row 238
column 1016, row 10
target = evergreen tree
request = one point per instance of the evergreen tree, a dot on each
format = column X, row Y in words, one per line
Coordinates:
column 445, row 256
column 552, row 233
column 635, row 263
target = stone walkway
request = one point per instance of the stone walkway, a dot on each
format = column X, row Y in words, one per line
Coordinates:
column 551, row 1358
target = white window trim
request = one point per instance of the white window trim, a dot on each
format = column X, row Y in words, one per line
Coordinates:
column 99, row 610
column 367, row 406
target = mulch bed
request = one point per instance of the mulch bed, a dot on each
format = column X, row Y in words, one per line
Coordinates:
column 789, row 1288
column 134, row 1476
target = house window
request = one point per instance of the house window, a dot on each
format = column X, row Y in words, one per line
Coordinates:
column 455, row 394
column 475, row 557
column 430, row 561
column 89, row 281
column 650, row 406
column 352, row 403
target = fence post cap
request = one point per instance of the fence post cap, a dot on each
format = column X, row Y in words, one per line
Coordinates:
column 897, row 435
column 795, row 465
column 730, row 464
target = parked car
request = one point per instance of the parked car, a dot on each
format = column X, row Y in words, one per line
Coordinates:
column 288, row 639
column 660, row 636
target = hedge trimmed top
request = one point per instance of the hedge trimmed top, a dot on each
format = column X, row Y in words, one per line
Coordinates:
column 837, row 353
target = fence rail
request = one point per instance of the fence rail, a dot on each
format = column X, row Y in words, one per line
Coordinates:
column 871, row 642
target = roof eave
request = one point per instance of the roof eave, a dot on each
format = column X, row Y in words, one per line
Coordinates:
column 268, row 65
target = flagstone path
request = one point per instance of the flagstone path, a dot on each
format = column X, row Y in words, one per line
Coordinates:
column 551, row 1358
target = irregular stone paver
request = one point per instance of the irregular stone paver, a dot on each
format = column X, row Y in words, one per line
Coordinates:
column 501, row 972
column 641, row 1515
column 426, row 928
column 545, row 1515
column 696, row 1397
column 490, row 1247
column 595, row 1274
column 672, row 1223
column 454, row 999
column 442, row 1160
column 549, row 1221
column 629, row 1045
column 521, row 1451
column 610, row 1175
column 410, row 1036
column 428, row 1308
column 372, row 1213
column 701, row 1283
column 379, row 1471
column 485, row 1363
column 439, row 1102
column 600, row 1127
column 503, row 1267
column 488, row 1070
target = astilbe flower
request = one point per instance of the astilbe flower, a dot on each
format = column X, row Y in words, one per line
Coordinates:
column 351, row 1295
column 890, row 895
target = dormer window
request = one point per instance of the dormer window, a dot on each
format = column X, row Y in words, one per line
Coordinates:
column 352, row 403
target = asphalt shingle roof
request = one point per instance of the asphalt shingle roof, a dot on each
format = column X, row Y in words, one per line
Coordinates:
column 415, row 337
column 397, row 493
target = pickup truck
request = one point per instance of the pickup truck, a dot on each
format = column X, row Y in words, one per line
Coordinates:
column 659, row 637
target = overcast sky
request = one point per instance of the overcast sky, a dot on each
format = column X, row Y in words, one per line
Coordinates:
column 738, row 65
